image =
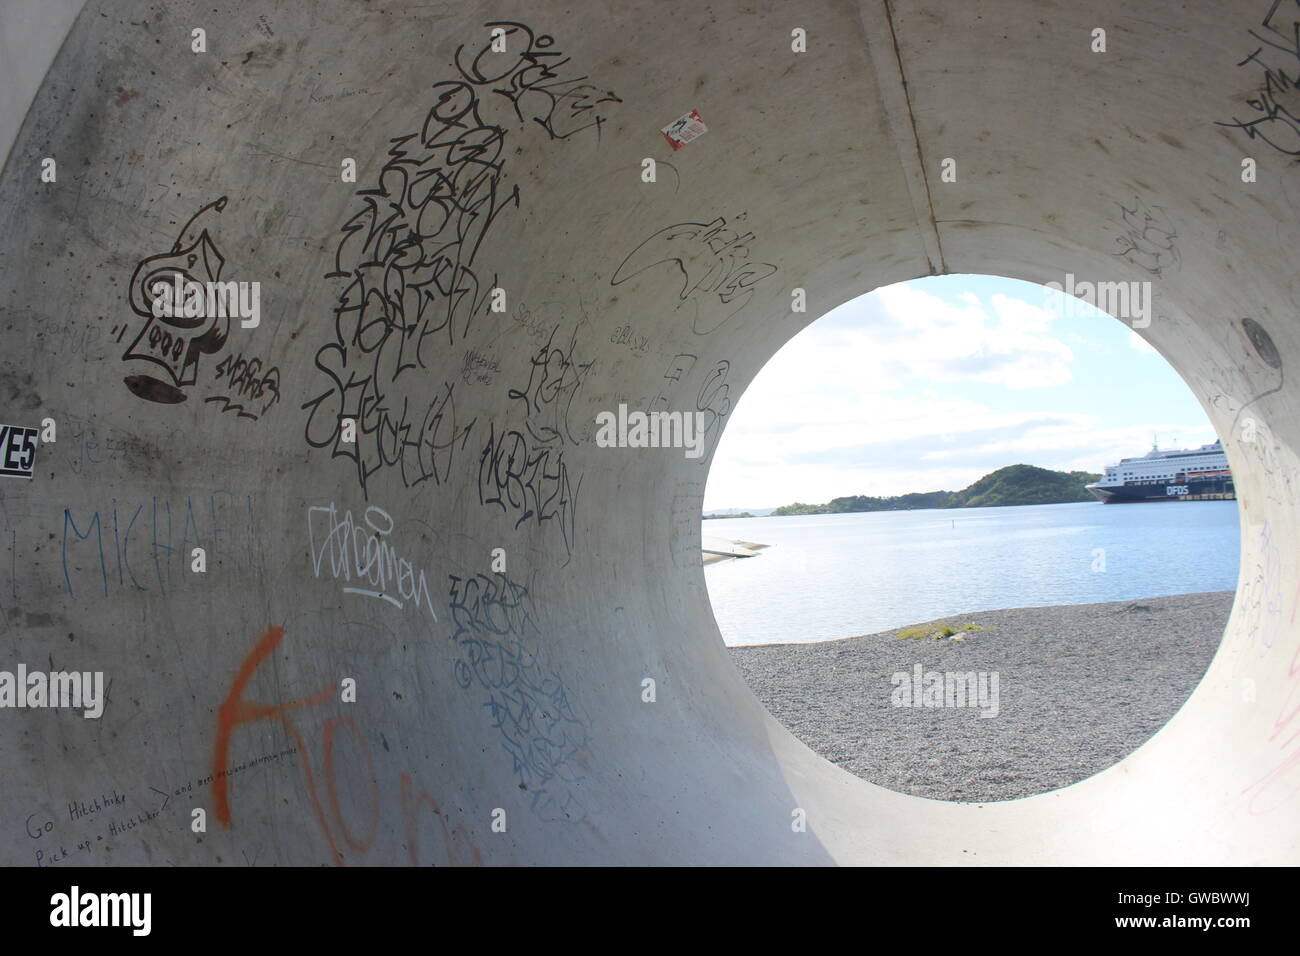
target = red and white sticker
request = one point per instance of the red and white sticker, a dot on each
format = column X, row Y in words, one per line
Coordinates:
column 682, row 131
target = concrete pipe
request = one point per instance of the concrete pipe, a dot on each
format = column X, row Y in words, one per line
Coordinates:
column 362, row 584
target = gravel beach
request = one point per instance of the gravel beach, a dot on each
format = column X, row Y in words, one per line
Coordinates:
column 1078, row 687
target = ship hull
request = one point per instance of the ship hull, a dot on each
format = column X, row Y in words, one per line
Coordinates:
column 1204, row 489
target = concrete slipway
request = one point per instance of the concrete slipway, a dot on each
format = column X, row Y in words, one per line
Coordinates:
column 521, row 691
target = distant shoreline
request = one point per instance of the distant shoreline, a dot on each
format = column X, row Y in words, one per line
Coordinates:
column 1012, row 485
column 823, row 514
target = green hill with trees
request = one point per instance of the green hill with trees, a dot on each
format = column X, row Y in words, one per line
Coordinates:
column 1013, row 485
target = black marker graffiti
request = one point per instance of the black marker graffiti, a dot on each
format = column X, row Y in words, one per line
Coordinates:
column 532, row 483
column 554, row 377
column 410, row 254
column 174, row 343
column 1267, row 351
column 1148, row 238
column 1276, row 102
column 523, row 470
column 477, row 368
column 541, row 728
column 534, row 326
column 1263, row 343
column 561, row 106
column 718, row 275
column 1251, row 371
column 715, row 402
column 245, row 380
column 632, row 338
column 408, row 426
column 681, row 365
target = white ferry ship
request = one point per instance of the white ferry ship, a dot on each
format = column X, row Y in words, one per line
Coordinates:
column 1175, row 475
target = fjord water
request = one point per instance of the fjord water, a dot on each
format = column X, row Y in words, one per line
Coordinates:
column 831, row 576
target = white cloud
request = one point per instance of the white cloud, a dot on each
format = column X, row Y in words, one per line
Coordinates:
column 877, row 398
column 750, row 471
column 1009, row 342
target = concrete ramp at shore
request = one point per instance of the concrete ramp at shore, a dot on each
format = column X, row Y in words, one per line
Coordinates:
column 727, row 548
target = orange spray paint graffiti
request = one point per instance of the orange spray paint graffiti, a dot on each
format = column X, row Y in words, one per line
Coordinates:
column 236, row 711
column 361, row 846
column 452, row 839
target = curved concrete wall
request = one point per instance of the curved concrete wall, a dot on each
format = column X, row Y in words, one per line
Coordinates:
column 521, row 689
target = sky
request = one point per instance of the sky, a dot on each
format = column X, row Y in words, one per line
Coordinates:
column 930, row 384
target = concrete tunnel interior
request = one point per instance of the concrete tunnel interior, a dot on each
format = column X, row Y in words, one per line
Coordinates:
column 1168, row 157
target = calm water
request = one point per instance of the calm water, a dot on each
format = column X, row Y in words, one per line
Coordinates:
column 831, row 576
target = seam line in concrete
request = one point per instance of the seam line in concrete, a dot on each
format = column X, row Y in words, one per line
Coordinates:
column 887, row 64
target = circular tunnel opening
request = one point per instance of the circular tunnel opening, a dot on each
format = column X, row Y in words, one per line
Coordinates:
column 839, row 190
column 907, row 562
